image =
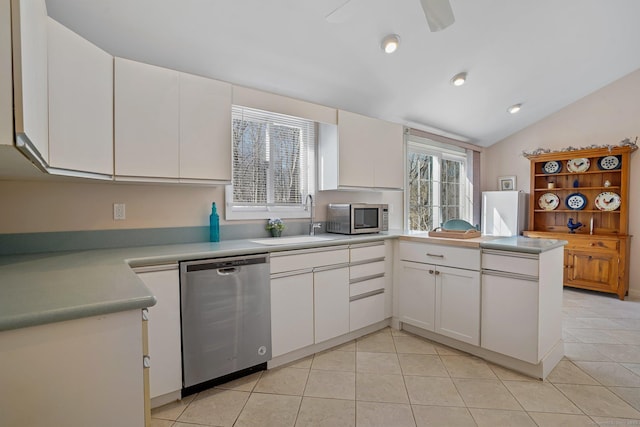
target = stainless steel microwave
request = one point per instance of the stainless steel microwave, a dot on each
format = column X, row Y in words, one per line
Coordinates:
column 357, row 218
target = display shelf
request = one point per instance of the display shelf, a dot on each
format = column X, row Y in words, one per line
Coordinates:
column 596, row 255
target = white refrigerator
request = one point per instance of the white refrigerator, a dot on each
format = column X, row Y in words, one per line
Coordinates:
column 504, row 213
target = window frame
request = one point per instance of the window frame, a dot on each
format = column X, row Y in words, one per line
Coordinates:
column 441, row 152
column 242, row 211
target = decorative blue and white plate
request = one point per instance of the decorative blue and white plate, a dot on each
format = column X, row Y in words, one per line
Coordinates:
column 610, row 162
column 552, row 167
column 576, row 201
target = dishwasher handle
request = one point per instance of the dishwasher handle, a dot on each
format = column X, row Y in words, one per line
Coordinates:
column 227, row 271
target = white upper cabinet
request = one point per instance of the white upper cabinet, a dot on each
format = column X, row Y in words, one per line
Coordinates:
column 146, row 120
column 205, row 128
column 362, row 153
column 170, row 125
column 6, row 84
column 29, row 26
column 80, row 103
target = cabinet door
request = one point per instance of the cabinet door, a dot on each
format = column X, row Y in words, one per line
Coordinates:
column 331, row 303
column 80, row 103
column 592, row 269
column 146, row 120
column 388, row 156
column 291, row 313
column 356, row 140
column 458, row 304
column 510, row 317
column 30, row 73
column 205, row 128
column 416, row 290
column 165, row 373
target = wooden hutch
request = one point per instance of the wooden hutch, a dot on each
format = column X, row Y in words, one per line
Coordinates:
column 590, row 187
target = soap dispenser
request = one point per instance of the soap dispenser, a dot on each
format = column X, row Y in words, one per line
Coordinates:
column 214, row 224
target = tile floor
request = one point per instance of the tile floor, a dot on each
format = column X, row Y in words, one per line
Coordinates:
column 394, row 379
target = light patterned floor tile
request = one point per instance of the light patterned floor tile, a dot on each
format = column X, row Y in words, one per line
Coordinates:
column 585, row 352
column 387, row 388
column 610, row 373
column 508, row 374
column 171, row 411
column 560, row 420
column 302, row 363
column 242, row 384
column 566, row 372
column 541, row 397
column 384, row 415
column 383, row 363
column 283, row 381
column 623, row 353
column 598, row 401
column 156, row 422
column 629, row 394
column 414, row 345
column 594, row 336
column 467, row 367
column 317, row 412
column 335, row 361
column 428, row 365
column 432, row 391
column 501, row 418
column 439, row 416
column 379, row 342
column 486, row 393
column 215, row 407
column 331, row 384
column 269, row 410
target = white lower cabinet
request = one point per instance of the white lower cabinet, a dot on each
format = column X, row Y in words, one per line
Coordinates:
column 366, row 311
column 417, row 293
column 440, row 298
column 457, row 304
column 291, row 311
column 165, row 373
column 331, row 302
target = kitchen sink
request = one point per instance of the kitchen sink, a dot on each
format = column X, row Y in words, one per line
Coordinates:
column 292, row 240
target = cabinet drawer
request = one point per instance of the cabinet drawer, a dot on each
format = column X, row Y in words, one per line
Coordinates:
column 309, row 258
column 512, row 262
column 594, row 244
column 365, row 286
column 366, row 311
column 366, row 270
column 370, row 251
column 451, row 256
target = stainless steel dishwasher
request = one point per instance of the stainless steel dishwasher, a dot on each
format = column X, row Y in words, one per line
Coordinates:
column 225, row 318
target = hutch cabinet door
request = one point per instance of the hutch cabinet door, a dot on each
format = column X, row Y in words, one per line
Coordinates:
column 592, row 270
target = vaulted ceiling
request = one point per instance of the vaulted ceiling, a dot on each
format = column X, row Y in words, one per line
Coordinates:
column 544, row 54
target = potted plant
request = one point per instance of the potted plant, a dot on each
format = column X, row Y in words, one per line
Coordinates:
column 275, row 226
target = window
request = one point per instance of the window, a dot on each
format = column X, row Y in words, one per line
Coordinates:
column 437, row 186
column 273, row 165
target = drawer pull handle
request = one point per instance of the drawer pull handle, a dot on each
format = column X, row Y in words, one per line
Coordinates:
column 431, row 271
column 437, row 273
column 435, row 255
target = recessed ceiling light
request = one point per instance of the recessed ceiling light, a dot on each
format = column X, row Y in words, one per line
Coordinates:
column 459, row 79
column 390, row 43
column 514, row 108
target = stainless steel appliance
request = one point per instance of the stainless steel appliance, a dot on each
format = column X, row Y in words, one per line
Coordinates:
column 357, row 218
column 226, row 319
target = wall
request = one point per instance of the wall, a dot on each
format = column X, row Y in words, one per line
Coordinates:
column 607, row 116
column 41, row 206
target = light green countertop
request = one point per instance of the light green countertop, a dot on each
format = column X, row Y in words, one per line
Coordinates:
column 51, row 287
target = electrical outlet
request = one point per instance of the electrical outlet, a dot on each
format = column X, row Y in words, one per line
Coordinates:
column 118, row 211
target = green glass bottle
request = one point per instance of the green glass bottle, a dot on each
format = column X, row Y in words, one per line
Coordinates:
column 214, row 224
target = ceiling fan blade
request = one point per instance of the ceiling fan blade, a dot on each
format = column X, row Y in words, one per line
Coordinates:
column 343, row 13
column 439, row 14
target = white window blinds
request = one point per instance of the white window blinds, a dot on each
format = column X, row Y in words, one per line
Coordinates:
column 273, row 162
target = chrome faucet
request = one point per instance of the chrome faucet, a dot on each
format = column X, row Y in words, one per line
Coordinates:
column 308, row 204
